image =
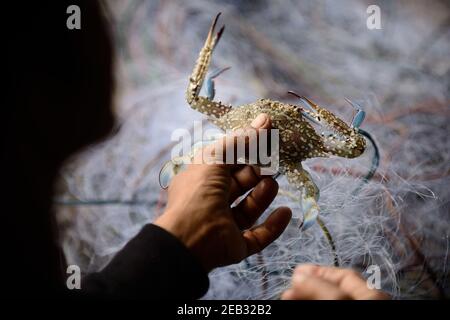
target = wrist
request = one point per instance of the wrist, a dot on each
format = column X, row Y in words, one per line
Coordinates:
column 165, row 222
column 190, row 240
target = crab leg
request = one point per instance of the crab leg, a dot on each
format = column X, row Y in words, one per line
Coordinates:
column 197, row 102
column 301, row 179
column 321, row 224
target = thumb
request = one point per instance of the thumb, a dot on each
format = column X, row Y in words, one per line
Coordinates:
column 262, row 121
column 229, row 148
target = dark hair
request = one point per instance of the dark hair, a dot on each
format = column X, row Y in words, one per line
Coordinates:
column 59, row 86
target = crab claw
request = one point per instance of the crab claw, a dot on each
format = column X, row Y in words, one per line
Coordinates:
column 311, row 110
column 178, row 164
column 211, row 32
column 305, row 113
column 359, row 116
column 170, row 169
column 210, row 89
column 309, row 104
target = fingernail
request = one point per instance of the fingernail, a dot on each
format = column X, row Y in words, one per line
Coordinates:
column 259, row 121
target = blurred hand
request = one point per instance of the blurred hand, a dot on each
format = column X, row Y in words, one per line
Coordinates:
column 199, row 213
column 312, row 282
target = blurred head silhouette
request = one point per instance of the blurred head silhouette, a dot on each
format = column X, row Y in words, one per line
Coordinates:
column 59, row 80
column 59, row 86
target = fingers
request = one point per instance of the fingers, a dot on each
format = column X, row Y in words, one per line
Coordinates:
column 250, row 209
column 261, row 236
column 310, row 287
column 348, row 280
column 241, row 143
column 242, row 180
column 347, row 284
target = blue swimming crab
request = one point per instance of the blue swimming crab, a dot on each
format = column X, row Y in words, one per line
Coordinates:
column 299, row 139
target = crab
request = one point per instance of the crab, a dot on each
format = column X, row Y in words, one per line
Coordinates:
column 296, row 125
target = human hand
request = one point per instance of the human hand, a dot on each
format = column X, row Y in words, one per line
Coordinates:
column 199, row 209
column 313, row 282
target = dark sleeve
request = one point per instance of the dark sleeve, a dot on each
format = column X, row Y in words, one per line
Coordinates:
column 155, row 265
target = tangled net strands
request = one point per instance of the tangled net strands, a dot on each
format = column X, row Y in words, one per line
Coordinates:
column 399, row 219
